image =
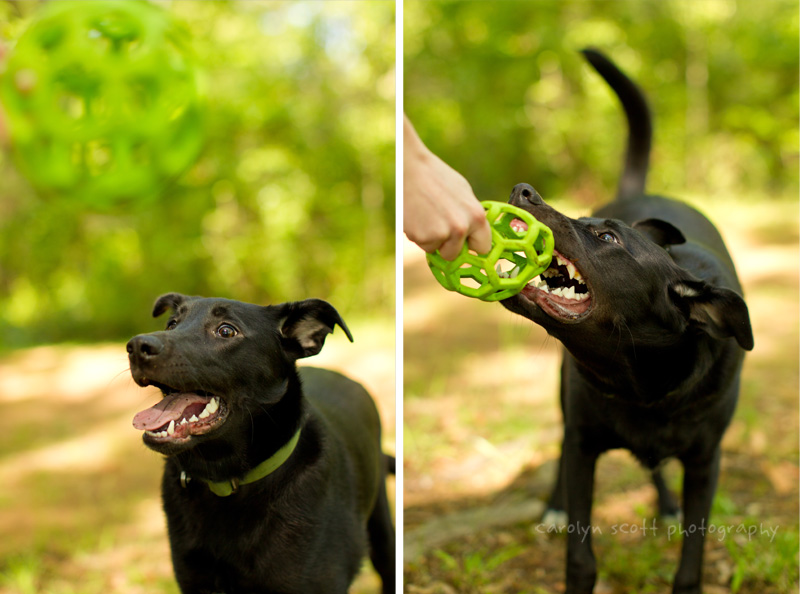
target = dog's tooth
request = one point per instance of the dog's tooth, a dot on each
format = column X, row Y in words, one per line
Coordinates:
column 193, row 419
column 570, row 293
column 561, row 261
column 571, row 270
column 171, row 428
column 184, row 421
column 500, row 272
column 205, row 414
column 213, row 406
column 514, row 272
column 539, row 283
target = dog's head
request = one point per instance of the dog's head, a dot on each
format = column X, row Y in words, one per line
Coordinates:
column 612, row 286
column 219, row 362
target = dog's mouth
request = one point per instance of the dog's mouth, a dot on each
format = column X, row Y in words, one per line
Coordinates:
column 181, row 415
column 561, row 290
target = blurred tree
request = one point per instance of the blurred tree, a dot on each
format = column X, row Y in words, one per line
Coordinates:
column 500, row 92
column 292, row 197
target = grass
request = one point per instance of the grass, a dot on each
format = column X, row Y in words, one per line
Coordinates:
column 471, row 572
column 764, row 560
column 482, row 426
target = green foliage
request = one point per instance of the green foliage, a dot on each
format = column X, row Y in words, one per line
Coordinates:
column 292, row 196
column 500, row 91
column 20, row 574
column 762, row 560
column 476, row 571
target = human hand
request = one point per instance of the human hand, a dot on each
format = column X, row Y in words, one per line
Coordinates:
column 440, row 210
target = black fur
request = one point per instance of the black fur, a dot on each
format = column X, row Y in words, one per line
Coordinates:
column 653, row 355
column 304, row 528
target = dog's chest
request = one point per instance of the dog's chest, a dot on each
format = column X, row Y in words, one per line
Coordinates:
column 244, row 543
column 652, row 435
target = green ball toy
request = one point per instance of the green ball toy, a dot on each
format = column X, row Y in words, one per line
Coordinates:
column 529, row 251
column 102, row 100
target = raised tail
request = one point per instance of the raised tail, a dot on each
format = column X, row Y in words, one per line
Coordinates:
column 640, row 127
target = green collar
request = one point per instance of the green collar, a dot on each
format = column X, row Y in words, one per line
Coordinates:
column 267, row 467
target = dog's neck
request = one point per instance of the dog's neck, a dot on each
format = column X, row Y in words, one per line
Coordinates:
column 255, row 474
column 656, row 376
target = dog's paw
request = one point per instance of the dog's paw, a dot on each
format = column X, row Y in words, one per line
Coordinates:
column 555, row 518
column 672, row 518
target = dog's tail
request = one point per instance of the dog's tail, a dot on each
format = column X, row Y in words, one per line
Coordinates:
column 640, row 128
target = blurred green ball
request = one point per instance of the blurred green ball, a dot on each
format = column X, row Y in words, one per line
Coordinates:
column 102, row 100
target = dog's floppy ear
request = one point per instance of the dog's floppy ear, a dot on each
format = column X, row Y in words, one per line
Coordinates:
column 168, row 301
column 660, row 232
column 721, row 313
column 306, row 324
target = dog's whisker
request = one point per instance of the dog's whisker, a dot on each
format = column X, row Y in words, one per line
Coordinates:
column 116, row 376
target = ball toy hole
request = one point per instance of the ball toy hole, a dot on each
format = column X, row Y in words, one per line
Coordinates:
column 73, row 106
column 505, row 265
column 49, row 38
column 472, row 277
column 98, row 156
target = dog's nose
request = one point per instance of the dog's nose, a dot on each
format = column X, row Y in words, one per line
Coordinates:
column 144, row 346
column 523, row 194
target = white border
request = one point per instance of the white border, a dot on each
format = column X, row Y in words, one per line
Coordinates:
column 398, row 259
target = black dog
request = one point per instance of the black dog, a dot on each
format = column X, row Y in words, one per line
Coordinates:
column 645, row 299
column 274, row 478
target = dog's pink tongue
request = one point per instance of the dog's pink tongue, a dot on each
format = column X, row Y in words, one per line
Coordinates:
column 169, row 409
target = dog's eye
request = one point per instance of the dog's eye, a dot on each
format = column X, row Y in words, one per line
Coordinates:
column 609, row 237
column 171, row 324
column 227, row 331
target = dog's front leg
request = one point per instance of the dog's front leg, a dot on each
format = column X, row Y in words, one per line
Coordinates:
column 579, row 466
column 699, row 485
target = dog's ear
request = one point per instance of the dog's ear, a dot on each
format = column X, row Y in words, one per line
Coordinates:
column 306, row 324
column 660, row 232
column 168, row 301
column 721, row 313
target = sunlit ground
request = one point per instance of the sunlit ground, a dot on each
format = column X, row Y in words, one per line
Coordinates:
column 482, row 431
column 79, row 505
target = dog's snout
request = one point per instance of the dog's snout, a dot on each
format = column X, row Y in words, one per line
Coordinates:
column 145, row 346
column 525, row 194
